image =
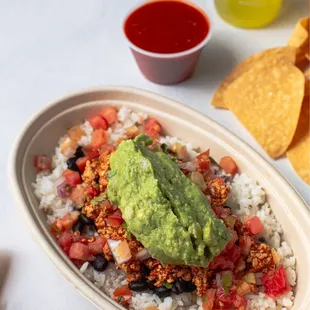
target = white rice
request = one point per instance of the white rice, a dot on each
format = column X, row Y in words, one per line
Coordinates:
column 247, row 198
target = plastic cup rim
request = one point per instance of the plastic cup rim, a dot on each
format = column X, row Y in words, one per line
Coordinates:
column 170, row 55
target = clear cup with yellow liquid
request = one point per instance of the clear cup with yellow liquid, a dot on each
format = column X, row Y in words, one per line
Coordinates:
column 248, row 13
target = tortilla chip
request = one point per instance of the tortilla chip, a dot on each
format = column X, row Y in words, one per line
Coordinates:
column 300, row 33
column 264, row 58
column 300, row 40
column 267, row 101
column 299, row 150
column 307, row 83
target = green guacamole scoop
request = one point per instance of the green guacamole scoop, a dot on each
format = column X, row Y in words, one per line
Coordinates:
column 165, row 210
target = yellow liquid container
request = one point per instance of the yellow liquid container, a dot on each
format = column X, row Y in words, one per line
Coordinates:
column 248, row 13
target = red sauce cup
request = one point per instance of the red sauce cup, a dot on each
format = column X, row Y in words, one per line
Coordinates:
column 168, row 68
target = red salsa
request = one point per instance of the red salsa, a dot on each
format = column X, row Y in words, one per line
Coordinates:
column 166, row 27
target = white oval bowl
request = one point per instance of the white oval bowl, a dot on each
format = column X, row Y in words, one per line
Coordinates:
column 41, row 134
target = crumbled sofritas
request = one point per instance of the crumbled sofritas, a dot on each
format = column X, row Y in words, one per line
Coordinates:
column 98, row 231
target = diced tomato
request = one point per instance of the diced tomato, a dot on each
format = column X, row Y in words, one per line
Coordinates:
column 107, row 148
column 98, row 121
column 115, row 219
column 239, row 302
column 72, row 178
column 90, row 153
column 152, row 128
column 275, row 282
column 223, row 298
column 114, row 222
column 65, row 240
column 91, row 191
column 77, row 196
column 96, row 247
column 228, row 165
column 42, row 162
column 117, row 214
column 76, row 133
column 81, row 163
column 98, row 139
column 221, row 212
column 245, row 243
column 222, row 263
column 234, row 254
column 122, row 291
column 79, row 251
column 208, row 299
column 110, row 114
column 66, row 223
column 255, row 225
column 232, row 242
column 204, row 160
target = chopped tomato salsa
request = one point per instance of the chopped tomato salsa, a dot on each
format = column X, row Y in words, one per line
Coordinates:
column 79, row 251
column 98, row 121
column 72, row 178
column 81, row 163
column 228, row 165
column 99, row 138
column 109, row 114
column 204, row 160
column 255, row 225
column 42, row 162
column 152, row 128
column 275, row 282
column 96, row 247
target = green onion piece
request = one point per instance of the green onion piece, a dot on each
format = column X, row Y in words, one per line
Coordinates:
column 173, row 158
column 227, row 282
column 164, row 147
column 98, row 199
column 204, row 298
column 168, row 285
column 111, row 174
column 120, row 298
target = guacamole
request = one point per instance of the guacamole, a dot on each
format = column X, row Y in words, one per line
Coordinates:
column 165, row 210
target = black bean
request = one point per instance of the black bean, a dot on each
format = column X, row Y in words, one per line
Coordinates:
column 262, row 240
column 227, row 207
column 162, row 291
column 79, row 152
column 71, row 163
column 100, row 263
column 89, row 231
column 191, row 286
column 139, row 285
column 150, row 283
column 78, row 226
column 86, row 220
column 145, row 271
column 180, row 286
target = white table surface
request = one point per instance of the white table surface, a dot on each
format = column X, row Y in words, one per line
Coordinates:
column 49, row 48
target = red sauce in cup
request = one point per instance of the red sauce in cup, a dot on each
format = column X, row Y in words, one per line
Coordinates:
column 166, row 27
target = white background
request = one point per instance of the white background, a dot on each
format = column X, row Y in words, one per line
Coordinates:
column 49, row 48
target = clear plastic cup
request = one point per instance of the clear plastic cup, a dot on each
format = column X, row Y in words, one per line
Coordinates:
column 168, row 68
